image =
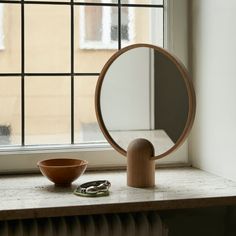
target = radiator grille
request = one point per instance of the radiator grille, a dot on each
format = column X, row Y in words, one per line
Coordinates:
column 132, row 224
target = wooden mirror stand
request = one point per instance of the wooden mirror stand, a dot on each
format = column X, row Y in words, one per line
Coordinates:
column 140, row 166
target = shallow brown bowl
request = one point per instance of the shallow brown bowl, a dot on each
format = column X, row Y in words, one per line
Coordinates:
column 62, row 171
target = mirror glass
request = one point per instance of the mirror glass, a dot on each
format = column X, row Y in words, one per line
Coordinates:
column 144, row 95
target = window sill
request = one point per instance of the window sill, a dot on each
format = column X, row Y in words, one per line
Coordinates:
column 34, row 196
column 38, row 149
column 24, row 161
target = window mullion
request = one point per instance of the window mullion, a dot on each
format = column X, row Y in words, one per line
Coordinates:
column 72, row 72
column 22, row 73
column 119, row 24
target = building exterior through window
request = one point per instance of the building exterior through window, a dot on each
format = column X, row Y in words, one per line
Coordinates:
column 1, row 28
column 103, row 32
column 50, row 62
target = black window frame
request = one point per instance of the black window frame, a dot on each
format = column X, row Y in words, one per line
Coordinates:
column 72, row 73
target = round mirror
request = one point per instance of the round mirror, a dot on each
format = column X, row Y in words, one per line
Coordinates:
column 145, row 92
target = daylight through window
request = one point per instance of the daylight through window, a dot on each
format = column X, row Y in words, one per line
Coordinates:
column 51, row 54
column 1, row 27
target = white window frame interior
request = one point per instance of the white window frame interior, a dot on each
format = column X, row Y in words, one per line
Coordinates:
column 24, row 159
column 1, row 27
column 106, row 42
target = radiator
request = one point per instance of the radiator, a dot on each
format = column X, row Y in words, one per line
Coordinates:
column 130, row 224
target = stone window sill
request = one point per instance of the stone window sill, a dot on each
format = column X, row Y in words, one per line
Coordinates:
column 30, row 196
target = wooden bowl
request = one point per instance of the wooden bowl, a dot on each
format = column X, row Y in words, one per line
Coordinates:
column 62, row 171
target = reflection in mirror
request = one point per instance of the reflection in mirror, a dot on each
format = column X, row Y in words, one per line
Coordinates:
column 144, row 95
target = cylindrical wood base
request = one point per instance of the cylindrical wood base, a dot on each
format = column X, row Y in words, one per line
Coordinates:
column 140, row 167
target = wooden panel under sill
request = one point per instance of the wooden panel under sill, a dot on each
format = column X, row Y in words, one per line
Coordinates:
column 32, row 196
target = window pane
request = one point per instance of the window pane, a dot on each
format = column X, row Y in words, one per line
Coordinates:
column 126, row 17
column 51, row 0
column 10, row 38
column 124, row 24
column 157, row 2
column 10, row 127
column 47, row 108
column 98, row 1
column 114, row 24
column 145, row 26
column 86, row 127
column 93, row 42
column 47, row 38
column 93, row 31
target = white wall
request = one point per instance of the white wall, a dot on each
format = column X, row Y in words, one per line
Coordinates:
column 213, row 140
column 177, row 31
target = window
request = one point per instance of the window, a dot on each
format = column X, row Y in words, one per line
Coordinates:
column 93, row 37
column 48, row 72
column 47, row 82
column 1, row 27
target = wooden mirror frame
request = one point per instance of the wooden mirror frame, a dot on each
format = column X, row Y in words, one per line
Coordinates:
column 141, row 173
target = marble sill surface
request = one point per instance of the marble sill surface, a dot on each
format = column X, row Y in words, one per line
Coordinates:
column 30, row 196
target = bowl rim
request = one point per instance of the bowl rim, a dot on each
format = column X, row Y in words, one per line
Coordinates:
column 83, row 163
